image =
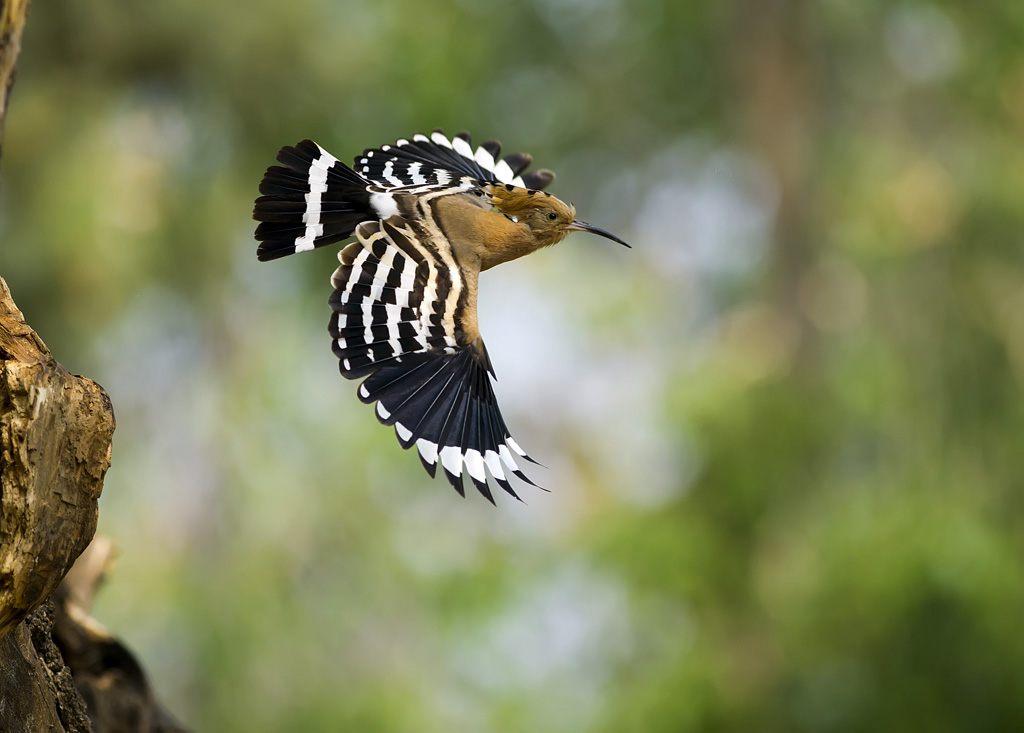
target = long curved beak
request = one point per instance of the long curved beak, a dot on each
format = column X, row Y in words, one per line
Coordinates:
column 582, row 226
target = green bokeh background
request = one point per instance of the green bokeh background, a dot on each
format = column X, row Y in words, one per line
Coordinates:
column 784, row 435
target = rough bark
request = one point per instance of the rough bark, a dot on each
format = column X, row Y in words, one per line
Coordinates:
column 60, row 670
column 55, row 433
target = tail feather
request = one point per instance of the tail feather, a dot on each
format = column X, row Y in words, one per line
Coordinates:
column 283, row 181
column 309, row 201
column 281, row 209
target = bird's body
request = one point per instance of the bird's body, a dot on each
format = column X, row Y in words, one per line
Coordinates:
column 429, row 215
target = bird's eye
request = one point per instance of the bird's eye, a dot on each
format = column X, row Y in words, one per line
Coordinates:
column 552, row 216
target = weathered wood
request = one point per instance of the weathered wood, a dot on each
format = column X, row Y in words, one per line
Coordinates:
column 37, row 692
column 26, row 697
column 55, row 433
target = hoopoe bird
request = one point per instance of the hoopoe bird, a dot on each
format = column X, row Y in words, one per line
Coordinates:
column 429, row 215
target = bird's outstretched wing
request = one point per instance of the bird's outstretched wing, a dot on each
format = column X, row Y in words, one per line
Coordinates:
column 436, row 160
column 402, row 313
column 312, row 199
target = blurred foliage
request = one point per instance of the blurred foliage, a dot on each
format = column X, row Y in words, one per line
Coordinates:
column 784, row 433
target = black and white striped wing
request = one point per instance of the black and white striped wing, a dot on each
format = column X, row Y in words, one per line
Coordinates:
column 436, row 160
column 398, row 302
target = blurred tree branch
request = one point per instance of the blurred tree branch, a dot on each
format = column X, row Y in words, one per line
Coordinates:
column 108, row 676
column 12, row 21
column 779, row 101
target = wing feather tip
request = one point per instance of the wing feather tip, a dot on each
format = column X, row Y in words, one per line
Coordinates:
column 455, row 481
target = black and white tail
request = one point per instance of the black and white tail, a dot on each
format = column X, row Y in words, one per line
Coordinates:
column 312, row 199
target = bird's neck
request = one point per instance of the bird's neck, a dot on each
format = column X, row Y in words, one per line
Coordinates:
column 482, row 238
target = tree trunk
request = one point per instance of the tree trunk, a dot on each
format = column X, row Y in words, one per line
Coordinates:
column 60, row 671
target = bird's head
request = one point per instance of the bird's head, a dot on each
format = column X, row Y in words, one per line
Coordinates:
column 550, row 219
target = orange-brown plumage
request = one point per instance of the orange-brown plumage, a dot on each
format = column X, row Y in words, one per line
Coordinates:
column 520, row 222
